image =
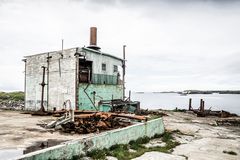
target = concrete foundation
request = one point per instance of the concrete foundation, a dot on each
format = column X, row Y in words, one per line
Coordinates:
column 103, row 140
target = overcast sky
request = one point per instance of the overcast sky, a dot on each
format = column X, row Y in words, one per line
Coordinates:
column 171, row 44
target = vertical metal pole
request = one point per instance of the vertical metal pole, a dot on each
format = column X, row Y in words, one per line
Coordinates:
column 190, row 104
column 47, row 80
column 76, row 81
column 62, row 46
column 124, row 71
column 201, row 105
column 43, row 84
column 25, row 80
column 59, row 61
column 129, row 95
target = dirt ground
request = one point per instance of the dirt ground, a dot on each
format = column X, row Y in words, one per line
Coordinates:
column 21, row 130
column 200, row 138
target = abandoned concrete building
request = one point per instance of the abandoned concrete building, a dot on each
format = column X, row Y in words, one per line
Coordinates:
column 85, row 77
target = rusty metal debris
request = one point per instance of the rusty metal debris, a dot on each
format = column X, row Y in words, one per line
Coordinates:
column 202, row 112
column 83, row 122
column 229, row 122
column 159, row 113
column 119, row 105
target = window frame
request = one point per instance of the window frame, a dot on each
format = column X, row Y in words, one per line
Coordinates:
column 115, row 68
column 104, row 67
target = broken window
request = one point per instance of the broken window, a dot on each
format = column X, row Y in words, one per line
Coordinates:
column 115, row 68
column 85, row 71
column 104, row 67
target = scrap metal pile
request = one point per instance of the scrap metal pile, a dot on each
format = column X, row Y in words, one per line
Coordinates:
column 202, row 112
column 84, row 122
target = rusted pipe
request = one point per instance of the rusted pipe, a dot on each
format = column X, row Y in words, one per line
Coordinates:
column 124, row 70
column 190, row 104
column 43, row 85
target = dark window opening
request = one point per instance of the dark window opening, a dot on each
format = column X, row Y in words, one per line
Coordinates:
column 104, row 66
column 115, row 68
column 85, row 71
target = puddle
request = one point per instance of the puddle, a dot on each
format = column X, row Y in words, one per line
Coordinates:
column 13, row 153
column 10, row 153
column 42, row 144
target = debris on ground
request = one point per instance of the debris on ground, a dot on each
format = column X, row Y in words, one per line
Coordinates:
column 160, row 113
column 229, row 122
column 84, row 122
column 202, row 112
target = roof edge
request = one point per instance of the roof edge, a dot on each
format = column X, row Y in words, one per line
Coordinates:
column 102, row 53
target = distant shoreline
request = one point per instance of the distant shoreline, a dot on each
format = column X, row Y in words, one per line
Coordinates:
column 195, row 92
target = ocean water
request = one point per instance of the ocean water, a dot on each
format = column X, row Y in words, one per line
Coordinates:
column 227, row 102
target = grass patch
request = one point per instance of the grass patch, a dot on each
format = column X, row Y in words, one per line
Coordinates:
column 154, row 117
column 98, row 154
column 187, row 119
column 137, row 144
column 230, row 152
column 121, row 151
column 179, row 110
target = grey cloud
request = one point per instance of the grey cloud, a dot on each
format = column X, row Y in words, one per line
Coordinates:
column 171, row 45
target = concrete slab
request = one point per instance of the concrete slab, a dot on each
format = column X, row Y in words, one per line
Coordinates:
column 159, row 156
column 201, row 139
column 21, row 130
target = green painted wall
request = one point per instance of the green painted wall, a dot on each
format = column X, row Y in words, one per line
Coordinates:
column 103, row 140
column 104, row 79
column 103, row 92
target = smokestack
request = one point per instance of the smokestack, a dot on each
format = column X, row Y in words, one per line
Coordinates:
column 93, row 38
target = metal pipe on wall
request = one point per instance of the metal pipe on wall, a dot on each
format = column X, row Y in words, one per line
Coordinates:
column 76, row 79
column 25, row 81
column 124, row 70
column 48, row 64
column 43, row 84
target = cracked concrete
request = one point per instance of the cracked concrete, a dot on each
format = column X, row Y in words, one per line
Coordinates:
column 201, row 138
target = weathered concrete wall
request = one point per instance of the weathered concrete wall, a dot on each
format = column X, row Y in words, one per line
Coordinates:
column 99, row 58
column 61, row 85
column 62, row 77
column 103, row 140
column 103, row 92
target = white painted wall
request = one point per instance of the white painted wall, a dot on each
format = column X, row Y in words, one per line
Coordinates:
column 98, row 59
column 60, row 88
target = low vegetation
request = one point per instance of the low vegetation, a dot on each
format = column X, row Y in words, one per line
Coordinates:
column 12, row 96
column 135, row 148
